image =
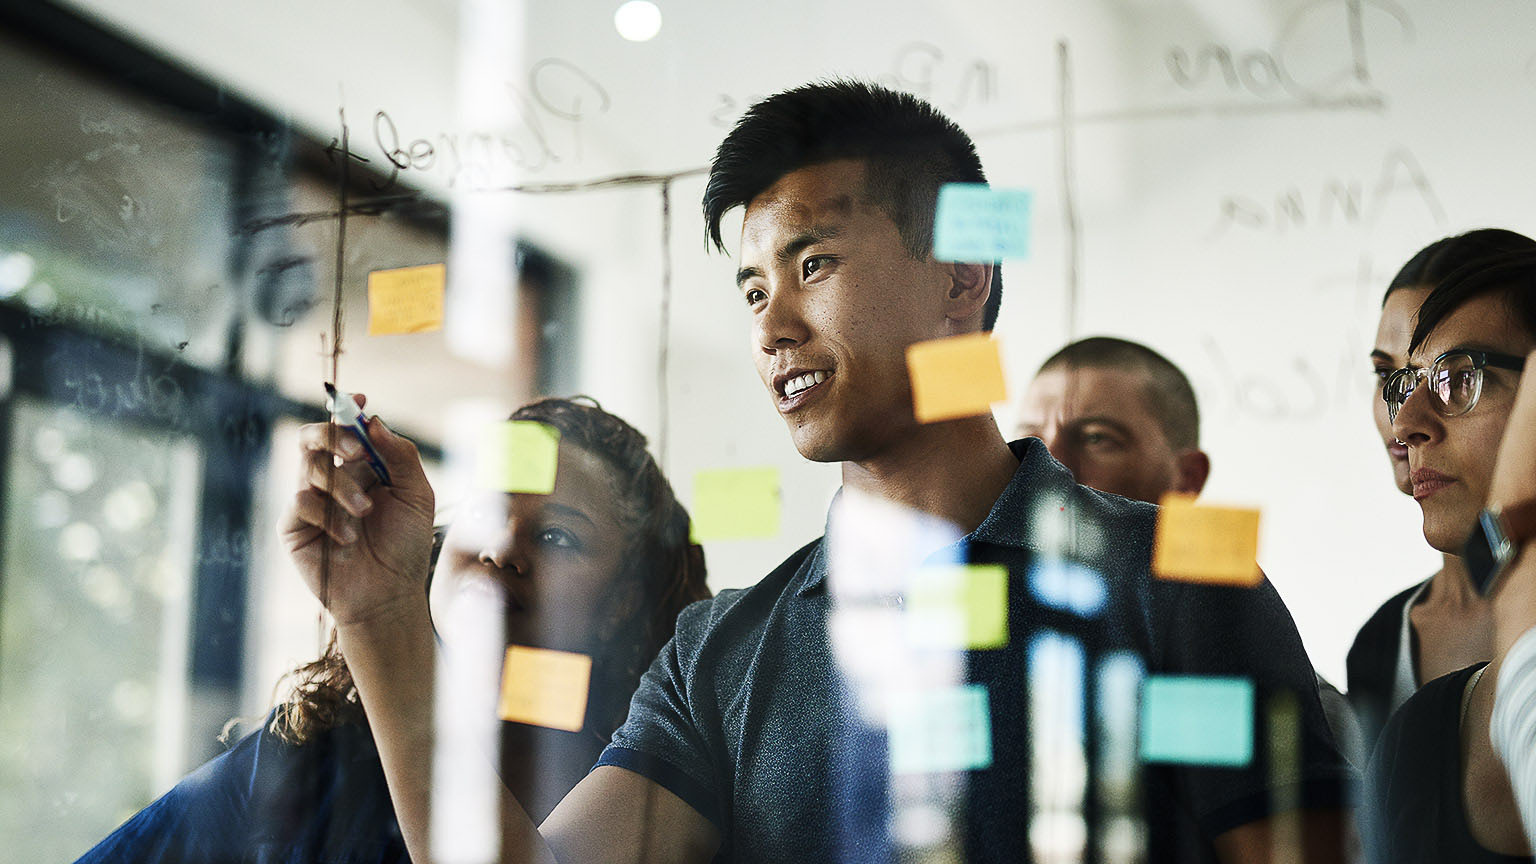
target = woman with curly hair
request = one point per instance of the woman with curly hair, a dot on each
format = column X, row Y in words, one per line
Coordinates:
column 601, row 566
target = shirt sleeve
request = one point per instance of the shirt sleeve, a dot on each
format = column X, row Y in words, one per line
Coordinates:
column 667, row 736
column 1513, row 729
column 1249, row 633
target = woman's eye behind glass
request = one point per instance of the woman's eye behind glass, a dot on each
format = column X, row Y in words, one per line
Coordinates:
column 559, row 538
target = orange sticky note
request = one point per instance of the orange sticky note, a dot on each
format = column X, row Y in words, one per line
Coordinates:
column 956, row 377
column 545, row 688
column 1215, row 545
column 406, row 299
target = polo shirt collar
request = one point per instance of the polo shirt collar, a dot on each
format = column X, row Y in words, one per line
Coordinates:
column 1007, row 523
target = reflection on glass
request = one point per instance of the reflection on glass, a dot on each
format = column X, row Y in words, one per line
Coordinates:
column 93, row 627
column 1058, row 758
column 1121, row 830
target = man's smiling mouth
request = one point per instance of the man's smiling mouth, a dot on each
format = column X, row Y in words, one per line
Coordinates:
column 801, row 383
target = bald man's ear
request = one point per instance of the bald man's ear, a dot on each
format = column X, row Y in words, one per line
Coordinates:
column 1194, row 468
column 969, row 287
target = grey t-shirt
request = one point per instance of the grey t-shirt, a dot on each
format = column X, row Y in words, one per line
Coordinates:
column 743, row 714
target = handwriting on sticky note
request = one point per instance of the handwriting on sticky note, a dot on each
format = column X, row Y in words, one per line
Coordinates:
column 545, row 688
column 735, row 503
column 519, row 456
column 1197, row 720
column 959, row 606
column 939, row 729
column 960, row 376
column 980, row 223
column 406, row 299
column 1216, row 545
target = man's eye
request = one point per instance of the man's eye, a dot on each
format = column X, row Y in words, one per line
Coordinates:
column 755, row 296
column 813, row 265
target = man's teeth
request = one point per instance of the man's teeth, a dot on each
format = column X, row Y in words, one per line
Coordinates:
column 803, row 382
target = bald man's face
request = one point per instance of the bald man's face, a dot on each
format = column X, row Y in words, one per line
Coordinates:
column 1098, row 423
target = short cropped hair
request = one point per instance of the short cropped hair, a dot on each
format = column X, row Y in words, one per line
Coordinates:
column 1431, row 265
column 1169, row 394
column 1511, row 276
column 908, row 147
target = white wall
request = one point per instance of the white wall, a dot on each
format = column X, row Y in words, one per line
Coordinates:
column 1272, row 318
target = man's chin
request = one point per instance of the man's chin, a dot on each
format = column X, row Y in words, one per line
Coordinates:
column 814, row 447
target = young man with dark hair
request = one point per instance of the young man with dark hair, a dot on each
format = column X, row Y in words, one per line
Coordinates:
column 736, row 742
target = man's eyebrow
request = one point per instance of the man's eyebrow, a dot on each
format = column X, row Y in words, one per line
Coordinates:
column 791, row 248
column 746, row 273
column 1103, row 420
column 808, row 237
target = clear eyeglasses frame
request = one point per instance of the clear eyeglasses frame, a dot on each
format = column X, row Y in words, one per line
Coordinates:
column 1455, row 380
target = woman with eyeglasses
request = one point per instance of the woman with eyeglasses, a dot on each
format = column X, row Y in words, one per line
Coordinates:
column 1437, row 793
column 1438, row 625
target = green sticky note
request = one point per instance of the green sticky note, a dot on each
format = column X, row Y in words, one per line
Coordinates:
column 1197, row 720
column 959, row 606
column 980, row 223
column 519, row 456
column 735, row 503
column 941, row 729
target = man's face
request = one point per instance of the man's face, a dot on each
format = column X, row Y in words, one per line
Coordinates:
column 835, row 299
column 1096, row 421
column 1451, row 458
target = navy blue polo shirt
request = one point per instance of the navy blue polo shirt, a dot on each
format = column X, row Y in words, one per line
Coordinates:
column 744, row 714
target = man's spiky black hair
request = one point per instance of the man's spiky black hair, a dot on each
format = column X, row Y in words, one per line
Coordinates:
column 908, row 147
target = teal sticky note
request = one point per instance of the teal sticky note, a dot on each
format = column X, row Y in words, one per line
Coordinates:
column 1197, row 720
column 981, row 223
column 931, row 731
column 519, row 456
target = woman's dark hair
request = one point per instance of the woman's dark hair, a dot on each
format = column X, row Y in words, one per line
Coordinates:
column 1512, row 277
column 908, row 147
column 1432, row 264
column 664, row 573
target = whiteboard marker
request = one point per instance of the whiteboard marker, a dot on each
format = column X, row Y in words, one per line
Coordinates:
column 344, row 411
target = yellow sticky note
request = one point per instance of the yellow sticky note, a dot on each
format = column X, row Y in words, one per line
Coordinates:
column 956, row 377
column 545, row 688
column 1206, row 544
column 519, row 456
column 406, row 299
column 735, row 503
column 959, row 606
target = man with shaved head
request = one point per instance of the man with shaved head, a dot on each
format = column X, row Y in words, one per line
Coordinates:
column 1120, row 416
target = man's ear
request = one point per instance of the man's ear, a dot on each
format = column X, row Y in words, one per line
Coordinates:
column 966, row 294
column 1193, row 468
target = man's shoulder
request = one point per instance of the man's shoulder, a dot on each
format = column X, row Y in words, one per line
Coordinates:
column 731, row 607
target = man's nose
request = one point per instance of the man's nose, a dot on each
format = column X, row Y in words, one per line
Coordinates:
column 781, row 323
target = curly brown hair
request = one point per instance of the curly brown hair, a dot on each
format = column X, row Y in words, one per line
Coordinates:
column 664, row 569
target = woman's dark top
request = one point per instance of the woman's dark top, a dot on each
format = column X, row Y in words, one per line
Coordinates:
column 1414, row 810
column 265, row 801
column 1373, row 666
